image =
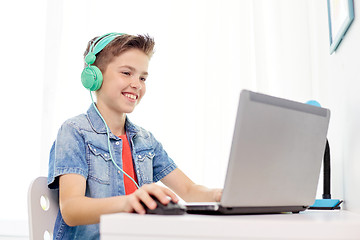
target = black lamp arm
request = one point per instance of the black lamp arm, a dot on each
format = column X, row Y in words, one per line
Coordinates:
column 326, row 194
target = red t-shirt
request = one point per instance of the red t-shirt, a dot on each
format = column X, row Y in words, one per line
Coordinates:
column 128, row 166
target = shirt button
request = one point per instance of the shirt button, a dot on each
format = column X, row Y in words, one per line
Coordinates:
column 138, row 171
column 105, row 155
column 139, row 156
column 117, row 143
column 119, row 172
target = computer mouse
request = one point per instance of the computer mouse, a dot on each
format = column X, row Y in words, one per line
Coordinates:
column 171, row 208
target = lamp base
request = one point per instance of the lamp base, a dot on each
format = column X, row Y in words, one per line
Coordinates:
column 326, row 204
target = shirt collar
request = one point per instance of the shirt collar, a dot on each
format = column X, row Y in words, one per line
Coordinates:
column 98, row 125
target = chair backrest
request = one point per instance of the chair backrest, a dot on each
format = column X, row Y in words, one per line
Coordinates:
column 43, row 207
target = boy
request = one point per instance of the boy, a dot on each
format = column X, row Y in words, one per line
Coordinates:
column 88, row 158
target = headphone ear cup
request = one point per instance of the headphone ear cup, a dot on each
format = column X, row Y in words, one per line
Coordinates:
column 91, row 78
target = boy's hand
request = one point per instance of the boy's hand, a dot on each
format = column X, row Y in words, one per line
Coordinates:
column 143, row 195
column 217, row 193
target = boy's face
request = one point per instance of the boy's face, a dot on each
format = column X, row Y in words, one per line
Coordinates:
column 124, row 81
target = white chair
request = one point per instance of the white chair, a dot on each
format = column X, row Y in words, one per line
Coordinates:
column 43, row 206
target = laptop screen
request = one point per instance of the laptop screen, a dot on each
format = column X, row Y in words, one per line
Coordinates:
column 276, row 153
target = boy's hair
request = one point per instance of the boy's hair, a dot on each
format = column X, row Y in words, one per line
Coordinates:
column 119, row 45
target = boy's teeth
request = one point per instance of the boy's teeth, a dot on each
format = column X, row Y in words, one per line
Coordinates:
column 130, row 96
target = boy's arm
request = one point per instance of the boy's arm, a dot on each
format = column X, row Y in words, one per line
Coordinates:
column 188, row 190
column 77, row 209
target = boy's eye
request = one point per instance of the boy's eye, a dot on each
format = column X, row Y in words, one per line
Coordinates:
column 143, row 79
column 126, row 73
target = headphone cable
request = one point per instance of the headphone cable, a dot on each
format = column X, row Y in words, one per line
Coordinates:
column 108, row 137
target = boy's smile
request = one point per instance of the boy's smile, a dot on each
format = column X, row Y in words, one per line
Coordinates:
column 131, row 96
column 124, row 82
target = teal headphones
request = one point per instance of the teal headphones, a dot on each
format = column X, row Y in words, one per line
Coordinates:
column 91, row 76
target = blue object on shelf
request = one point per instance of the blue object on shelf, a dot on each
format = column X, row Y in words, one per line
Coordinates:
column 326, row 204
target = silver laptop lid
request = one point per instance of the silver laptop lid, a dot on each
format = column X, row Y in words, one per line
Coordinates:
column 276, row 153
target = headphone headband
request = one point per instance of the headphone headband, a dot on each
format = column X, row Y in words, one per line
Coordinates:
column 98, row 45
column 101, row 42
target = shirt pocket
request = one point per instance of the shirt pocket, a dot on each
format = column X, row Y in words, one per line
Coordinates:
column 99, row 165
column 145, row 159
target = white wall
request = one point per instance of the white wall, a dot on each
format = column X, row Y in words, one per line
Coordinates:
column 339, row 76
column 22, row 39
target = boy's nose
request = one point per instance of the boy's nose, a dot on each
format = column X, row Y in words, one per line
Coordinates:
column 135, row 83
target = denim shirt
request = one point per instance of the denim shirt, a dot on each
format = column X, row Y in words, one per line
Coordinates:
column 81, row 147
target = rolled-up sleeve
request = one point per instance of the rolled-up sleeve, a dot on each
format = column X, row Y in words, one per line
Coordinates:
column 162, row 164
column 67, row 154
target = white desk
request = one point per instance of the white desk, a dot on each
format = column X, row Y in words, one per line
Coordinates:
column 307, row 225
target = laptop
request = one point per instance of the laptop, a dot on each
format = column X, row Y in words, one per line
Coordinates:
column 275, row 158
